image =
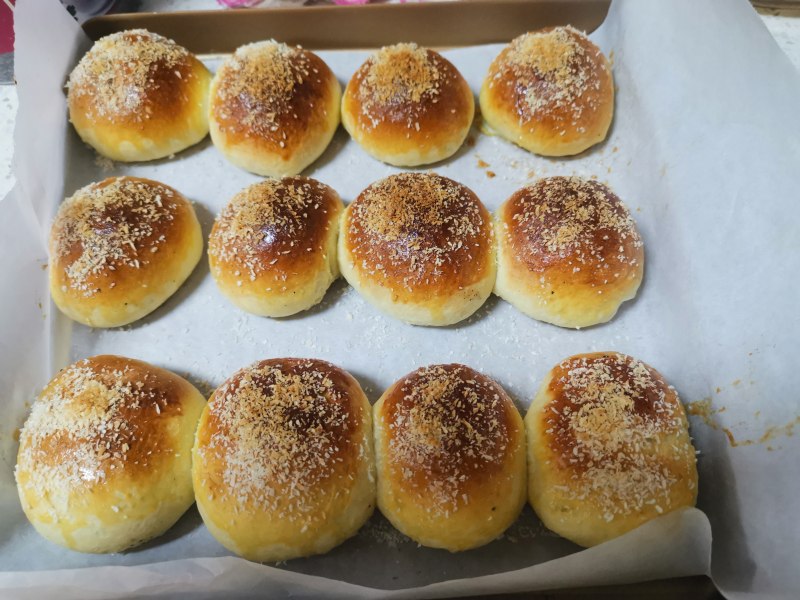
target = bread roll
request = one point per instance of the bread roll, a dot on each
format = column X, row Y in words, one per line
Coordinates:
column 272, row 250
column 550, row 91
column 104, row 458
column 119, row 248
column 568, row 252
column 283, row 461
column 273, row 108
column 408, row 106
column 419, row 247
column 138, row 96
column 608, row 448
column 450, row 451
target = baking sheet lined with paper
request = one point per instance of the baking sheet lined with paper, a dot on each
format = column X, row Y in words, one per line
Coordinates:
column 711, row 178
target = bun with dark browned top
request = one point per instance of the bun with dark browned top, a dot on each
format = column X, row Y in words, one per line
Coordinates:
column 408, row 106
column 420, row 247
column 283, row 460
column 608, row 448
column 568, row 252
column 119, row 248
column 139, row 96
column 272, row 250
column 104, row 460
column 450, row 451
column 273, row 108
column 550, row 91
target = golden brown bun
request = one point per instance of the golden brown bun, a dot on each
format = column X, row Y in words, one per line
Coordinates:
column 283, row 461
column 608, row 448
column 273, row 108
column 272, row 250
column 119, row 248
column 420, row 247
column 139, row 96
column 550, row 91
column 408, row 106
column 568, row 252
column 450, row 451
column 104, row 459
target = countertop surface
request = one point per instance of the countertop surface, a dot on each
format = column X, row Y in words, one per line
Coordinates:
column 783, row 25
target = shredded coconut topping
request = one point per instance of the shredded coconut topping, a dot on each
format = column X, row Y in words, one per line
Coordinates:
column 447, row 426
column 260, row 85
column 612, row 423
column 398, row 80
column 417, row 226
column 123, row 69
column 281, row 429
column 552, row 74
column 576, row 223
column 119, row 222
column 95, row 418
column 271, row 220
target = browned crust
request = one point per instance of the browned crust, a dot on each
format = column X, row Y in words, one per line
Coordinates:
column 272, row 97
column 102, row 418
column 115, row 235
column 448, row 430
column 137, row 81
column 613, row 383
column 419, row 233
column 555, row 84
column 572, row 231
column 278, row 432
column 276, row 230
column 401, row 119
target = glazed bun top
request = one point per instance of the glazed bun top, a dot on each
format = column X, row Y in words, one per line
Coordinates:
column 412, row 88
column 132, row 77
column 276, row 225
column 270, row 94
column 616, row 429
column 281, row 432
column 101, row 419
column 573, row 225
column 108, row 233
column 556, row 78
column 418, row 231
column 448, row 430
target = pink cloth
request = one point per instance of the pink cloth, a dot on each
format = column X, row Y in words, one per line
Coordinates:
column 6, row 27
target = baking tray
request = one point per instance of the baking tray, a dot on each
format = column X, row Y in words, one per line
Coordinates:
column 438, row 25
column 434, row 24
column 444, row 24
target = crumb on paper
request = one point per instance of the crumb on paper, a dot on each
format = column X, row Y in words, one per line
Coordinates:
column 705, row 411
column 104, row 163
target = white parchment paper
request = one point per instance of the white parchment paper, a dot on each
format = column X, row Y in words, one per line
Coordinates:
column 705, row 149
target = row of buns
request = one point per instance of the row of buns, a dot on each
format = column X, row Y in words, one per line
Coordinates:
column 419, row 246
column 288, row 458
column 272, row 109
